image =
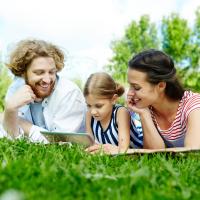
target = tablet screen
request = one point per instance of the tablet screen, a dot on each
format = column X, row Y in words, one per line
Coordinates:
column 79, row 138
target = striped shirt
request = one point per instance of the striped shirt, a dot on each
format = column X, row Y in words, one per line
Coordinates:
column 175, row 135
column 110, row 135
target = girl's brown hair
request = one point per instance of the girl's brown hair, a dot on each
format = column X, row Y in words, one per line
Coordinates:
column 27, row 50
column 102, row 84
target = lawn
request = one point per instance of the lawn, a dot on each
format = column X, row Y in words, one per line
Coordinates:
column 54, row 171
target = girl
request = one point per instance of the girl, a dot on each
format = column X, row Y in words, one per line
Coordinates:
column 169, row 114
column 109, row 122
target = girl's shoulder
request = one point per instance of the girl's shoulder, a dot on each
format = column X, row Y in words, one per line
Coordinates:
column 120, row 108
column 121, row 112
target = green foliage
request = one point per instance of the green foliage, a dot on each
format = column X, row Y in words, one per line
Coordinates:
column 138, row 36
column 190, row 79
column 5, row 81
column 78, row 82
column 61, row 172
column 195, row 50
column 176, row 37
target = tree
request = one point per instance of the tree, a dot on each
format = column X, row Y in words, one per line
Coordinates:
column 137, row 37
column 5, row 81
column 176, row 37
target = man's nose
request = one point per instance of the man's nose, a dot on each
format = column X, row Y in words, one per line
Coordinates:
column 47, row 78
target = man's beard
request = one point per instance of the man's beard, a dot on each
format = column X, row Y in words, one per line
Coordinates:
column 40, row 94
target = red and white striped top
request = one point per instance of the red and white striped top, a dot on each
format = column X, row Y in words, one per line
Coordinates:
column 175, row 135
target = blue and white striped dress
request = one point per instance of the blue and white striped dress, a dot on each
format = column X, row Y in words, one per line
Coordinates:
column 110, row 135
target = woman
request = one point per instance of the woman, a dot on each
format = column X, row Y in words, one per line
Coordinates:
column 169, row 114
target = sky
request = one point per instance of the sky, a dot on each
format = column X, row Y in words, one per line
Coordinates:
column 83, row 29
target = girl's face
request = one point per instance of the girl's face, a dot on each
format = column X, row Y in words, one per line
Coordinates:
column 141, row 92
column 100, row 107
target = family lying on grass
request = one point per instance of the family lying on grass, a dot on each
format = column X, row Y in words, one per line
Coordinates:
column 160, row 113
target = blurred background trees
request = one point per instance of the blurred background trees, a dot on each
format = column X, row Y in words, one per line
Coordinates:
column 173, row 36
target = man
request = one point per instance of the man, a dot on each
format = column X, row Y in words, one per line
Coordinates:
column 39, row 98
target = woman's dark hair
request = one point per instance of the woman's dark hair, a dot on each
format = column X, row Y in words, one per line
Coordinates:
column 159, row 67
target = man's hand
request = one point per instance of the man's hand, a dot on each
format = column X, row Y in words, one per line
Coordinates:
column 21, row 97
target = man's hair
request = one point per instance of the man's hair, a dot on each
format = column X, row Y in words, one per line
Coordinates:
column 101, row 84
column 27, row 50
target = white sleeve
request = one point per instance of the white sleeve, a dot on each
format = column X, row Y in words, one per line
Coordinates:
column 70, row 115
column 36, row 136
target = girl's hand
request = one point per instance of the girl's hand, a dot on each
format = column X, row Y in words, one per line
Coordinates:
column 103, row 148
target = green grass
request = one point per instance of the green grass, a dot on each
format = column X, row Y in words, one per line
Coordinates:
column 62, row 172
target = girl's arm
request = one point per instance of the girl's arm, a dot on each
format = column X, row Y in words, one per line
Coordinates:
column 192, row 138
column 99, row 148
column 123, row 121
column 88, row 124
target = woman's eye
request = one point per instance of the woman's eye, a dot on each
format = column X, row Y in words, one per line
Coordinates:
column 137, row 88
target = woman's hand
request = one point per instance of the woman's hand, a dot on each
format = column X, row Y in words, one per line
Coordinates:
column 132, row 106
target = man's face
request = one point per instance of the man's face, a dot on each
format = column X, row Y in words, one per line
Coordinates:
column 41, row 76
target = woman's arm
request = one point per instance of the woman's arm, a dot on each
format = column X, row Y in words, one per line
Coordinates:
column 151, row 137
column 192, row 138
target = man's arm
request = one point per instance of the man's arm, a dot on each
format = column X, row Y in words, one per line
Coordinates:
column 23, row 96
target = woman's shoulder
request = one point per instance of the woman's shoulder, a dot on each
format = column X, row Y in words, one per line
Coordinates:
column 190, row 97
column 188, row 94
column 189, row 102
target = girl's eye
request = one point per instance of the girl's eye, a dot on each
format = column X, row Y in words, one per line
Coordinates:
column 99, row 106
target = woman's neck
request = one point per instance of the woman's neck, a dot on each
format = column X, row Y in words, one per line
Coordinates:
column 165, row 112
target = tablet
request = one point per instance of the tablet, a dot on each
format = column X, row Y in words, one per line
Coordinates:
column 78, row 138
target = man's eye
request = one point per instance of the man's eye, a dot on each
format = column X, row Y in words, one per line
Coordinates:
column 53, row 72
column 38, row 73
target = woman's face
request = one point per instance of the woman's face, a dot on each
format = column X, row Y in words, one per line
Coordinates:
column 141, row 92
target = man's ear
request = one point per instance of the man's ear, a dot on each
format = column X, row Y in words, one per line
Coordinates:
column 114, row 98
column 161, row 86
column 23, row 75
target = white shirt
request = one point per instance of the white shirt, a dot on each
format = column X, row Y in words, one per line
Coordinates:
column 64, row 109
